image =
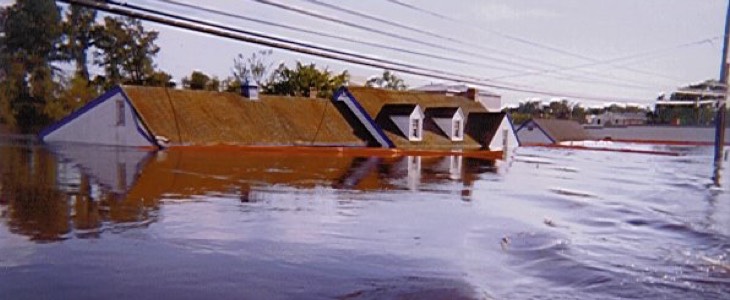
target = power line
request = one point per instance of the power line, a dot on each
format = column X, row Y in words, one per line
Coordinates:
column 523, row 40
column 413, row 29
column 283, row 40
column 333, row 36
column 617, row 59
column 113, row 9
column 470, row 63
column 382, row 32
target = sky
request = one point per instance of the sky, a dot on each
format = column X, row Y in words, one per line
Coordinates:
column 518, row 43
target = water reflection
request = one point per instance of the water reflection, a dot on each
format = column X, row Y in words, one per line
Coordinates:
column 63, row 191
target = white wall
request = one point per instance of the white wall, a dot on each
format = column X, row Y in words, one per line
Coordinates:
column 532, row 137
column 99, row 126
column 497, row 143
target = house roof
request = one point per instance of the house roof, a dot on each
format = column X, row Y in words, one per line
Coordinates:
column 441, row 112
column 374, row 100
column 562, row 130
column 188, row 117
column 398, row 109
column 483, row 126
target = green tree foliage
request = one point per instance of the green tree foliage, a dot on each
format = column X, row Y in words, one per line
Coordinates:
column 160, row 78
column 300, row 80
column 126, row 51
column 388, row 81
column 564, row 110
column 77, row 92
column 200, row 81
column 78, row 28
column 31, row 34
column 231, row 85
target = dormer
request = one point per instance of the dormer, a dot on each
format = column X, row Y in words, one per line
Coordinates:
column 250, row 89
column 408, row 118
column 450, row 120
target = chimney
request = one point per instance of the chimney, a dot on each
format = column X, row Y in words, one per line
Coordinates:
column 249, row 89
column 313, row 91
column 472, row 94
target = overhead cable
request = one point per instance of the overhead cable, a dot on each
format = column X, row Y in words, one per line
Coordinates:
column 384, row 46
column 523, row 40
column 115, row 9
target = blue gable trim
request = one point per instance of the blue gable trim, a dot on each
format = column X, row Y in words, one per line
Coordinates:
column 538, row 127
column 53, row 127
column 379, row 131
column 101, row 99
column 514, row 131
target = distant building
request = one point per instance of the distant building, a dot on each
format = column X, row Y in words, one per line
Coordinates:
column 618, row 119
column 694, row 104
column 550, row 131
column 491, row 101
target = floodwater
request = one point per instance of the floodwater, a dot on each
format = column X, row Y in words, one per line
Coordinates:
column 94, row 223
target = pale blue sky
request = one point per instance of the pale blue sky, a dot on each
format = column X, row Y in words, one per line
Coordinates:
column 596, row 29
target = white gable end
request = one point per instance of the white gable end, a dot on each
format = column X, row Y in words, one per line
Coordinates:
column 410, row 126
column 109, row 120
column 505, row 135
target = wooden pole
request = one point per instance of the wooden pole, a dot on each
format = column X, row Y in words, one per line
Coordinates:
column 721, row 107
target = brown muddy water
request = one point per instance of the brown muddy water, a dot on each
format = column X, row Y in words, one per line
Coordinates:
column 108, row 223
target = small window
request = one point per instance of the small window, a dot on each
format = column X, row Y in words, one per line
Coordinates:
column 120, row 113
column 415, row 128
column 457, row 129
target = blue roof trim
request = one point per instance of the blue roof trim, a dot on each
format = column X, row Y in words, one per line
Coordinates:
column 141, row 127
column 538, row 127
column 143, row 130
column 514, row 131
column 344, row 90
column 53, row 127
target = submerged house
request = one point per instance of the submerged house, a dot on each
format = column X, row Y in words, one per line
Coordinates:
column 355, row 117
column 424, row 121
column 156, row 116
column 551, row 131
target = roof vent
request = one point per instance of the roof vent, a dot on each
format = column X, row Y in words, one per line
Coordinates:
column 250, row 89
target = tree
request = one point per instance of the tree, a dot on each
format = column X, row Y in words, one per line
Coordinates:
column 32, row 31
column 3, row 51
column 578, row 113
column 79, row 30
column 257, row 66
column 387, row 81
column 559, row 109
column 125, row 51
column 160, row 78
column 200, row 81
column 302, row 79
column 231, row 85
column 76, row 93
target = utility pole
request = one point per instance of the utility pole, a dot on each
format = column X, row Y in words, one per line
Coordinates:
column 722, row 105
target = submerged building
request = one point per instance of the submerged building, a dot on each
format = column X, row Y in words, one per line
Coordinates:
column 551, row 131
column 355, row 117
column 421, row 120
